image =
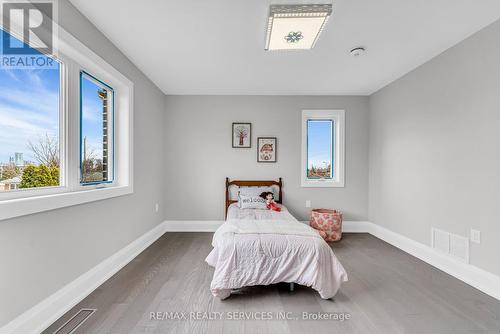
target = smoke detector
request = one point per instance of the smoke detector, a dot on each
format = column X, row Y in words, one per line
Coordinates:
column 356, row 52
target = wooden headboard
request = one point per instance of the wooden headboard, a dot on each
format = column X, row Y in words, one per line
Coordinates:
column 248, row 183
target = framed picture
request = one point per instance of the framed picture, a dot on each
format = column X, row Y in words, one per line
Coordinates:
column 266, row 149
column 242, row 135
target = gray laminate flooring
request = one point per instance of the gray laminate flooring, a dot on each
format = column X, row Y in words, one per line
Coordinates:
column 388, row 291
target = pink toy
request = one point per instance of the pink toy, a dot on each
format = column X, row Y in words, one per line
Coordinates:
column 271, row 204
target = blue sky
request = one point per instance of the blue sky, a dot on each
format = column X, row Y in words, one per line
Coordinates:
column 29, row 109
column 319, row 148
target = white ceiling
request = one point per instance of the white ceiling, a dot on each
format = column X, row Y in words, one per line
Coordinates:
column 217, row 46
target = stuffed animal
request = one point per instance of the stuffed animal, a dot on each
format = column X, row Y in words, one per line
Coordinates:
column 270, row 203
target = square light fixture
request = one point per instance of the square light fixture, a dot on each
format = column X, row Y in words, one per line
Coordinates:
column 295, row 27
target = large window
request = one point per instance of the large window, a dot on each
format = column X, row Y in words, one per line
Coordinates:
column 65, row 130
column 30, row 115
column 322, row 148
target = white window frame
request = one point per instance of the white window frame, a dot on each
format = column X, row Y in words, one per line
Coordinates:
column 338, row 118
column 75, row 57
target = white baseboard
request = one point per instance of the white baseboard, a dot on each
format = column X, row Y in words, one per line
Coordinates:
column 42, row 315
column 192, row 225
column 480, row 279
column 355, row 226
column 213, row 225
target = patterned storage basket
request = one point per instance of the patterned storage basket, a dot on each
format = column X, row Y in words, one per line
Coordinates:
column 328, row 223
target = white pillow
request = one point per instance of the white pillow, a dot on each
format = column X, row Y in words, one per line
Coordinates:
column 251, row 202
column 256, row 191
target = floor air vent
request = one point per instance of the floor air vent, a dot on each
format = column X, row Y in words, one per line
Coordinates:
column 76, row 321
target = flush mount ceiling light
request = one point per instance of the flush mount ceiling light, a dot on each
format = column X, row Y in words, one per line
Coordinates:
column 295, row 27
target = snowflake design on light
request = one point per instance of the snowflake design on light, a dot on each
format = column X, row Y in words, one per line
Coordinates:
column 294, row 37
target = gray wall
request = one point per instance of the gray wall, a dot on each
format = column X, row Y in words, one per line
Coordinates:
column 201, row 126
column 41, row 253
column 434, row 148
column 433, row 140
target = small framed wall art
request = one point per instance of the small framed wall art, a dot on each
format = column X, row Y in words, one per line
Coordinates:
column 267, row 149
column 242, row 135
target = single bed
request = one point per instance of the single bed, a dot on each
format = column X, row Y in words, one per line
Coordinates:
column 262, row 247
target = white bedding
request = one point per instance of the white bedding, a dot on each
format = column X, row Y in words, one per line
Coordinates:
column 261, row 247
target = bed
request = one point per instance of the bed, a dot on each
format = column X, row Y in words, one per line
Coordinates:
column 262, row 247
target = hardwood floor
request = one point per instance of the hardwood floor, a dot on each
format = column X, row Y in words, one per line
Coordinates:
column 388, row 291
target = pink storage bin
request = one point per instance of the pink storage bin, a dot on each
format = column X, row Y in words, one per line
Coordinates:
column 328, row 222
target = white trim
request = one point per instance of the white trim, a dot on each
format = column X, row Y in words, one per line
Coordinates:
column 350, row 226
column 479, row 278
column 75, row 57
column 355, row 226
column 338, row 116
column 29, row 205
column 43, row 314
column 192, row 225
column 123, row 89
column 213, row 225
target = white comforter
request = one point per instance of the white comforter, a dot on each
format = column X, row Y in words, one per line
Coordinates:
column 261, row 247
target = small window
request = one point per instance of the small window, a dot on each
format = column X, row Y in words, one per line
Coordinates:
column 30, row 114
column 322, row 148
column 96, row 117
column 320, row 134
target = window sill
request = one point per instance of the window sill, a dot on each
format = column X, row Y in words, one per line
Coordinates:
column 30, row 205
column 322, row 184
